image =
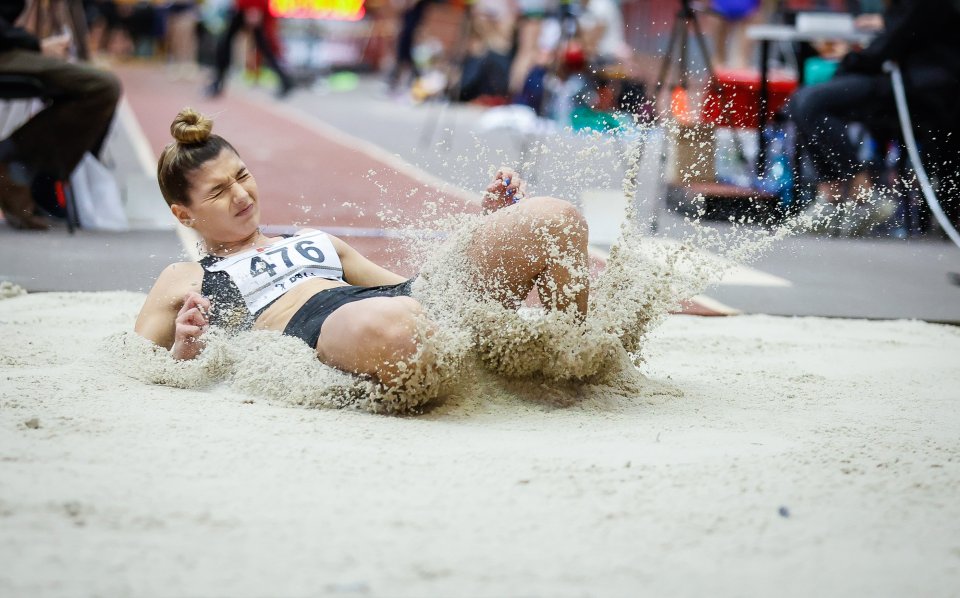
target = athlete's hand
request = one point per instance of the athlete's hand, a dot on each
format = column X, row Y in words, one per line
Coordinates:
column 506, row 189
column 190, row 324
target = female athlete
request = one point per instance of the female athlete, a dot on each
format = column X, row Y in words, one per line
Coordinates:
column 357, row 315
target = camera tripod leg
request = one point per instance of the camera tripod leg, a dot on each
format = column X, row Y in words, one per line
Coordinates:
column 702, row 42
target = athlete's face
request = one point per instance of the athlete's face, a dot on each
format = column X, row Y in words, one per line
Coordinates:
column 223, row 199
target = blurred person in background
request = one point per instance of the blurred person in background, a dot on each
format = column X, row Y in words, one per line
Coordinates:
column 251, row 16
column 486, row 68
column 81, row 101
column 143, row 22
column 109, row 20
column 922, row 37
column 731, row 46
column 181, row 38
column 413, row 13
column 601, row 31
column 528, row 54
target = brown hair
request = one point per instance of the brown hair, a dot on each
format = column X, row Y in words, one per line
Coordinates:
column 194, row 145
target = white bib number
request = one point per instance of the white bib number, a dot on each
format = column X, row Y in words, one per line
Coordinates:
column 266, row 273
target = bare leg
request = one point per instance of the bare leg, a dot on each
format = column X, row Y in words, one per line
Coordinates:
column 371, row 337
column 540, row 242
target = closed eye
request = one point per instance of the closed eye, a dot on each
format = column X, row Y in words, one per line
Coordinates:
column 241, row 175
column 215, row 192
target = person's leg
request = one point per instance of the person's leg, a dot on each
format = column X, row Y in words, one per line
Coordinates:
column 263, row 45
column 182, row 44
column 539, row 242
column 404, row 52
column 372, row 337
column 55, row 139
column 823, row 112
column 528, row 39
column 224, row 52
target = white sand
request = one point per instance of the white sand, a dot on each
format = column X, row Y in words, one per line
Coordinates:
column 112, row 487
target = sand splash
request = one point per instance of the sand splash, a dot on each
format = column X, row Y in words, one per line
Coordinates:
column 475, row 343
column 8, row 290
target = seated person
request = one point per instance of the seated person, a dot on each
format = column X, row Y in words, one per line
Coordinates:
column 921, row 36
column 601, row 31
column 485, row 72
column 82, row 100
column 356, row 315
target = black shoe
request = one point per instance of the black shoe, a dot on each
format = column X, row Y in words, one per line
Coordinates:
column 286, row 86
column 214, row 90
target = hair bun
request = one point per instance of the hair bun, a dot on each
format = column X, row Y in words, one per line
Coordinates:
column 191, row 127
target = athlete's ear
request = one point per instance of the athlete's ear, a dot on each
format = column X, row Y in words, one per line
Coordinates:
column 181, row 213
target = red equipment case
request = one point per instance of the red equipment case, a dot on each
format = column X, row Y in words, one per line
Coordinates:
column 733, row 97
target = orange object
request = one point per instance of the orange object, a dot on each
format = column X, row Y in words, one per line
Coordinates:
column 680, row 106
column 733, row 97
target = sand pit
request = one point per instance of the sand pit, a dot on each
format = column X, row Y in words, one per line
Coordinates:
column 763, row 456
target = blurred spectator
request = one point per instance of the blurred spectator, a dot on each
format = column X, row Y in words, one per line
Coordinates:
column 181, row 37
column 528, row 47
column 143, row 22
column 81, row 102
column 921, row 35
column 486, row 69
column 572, row 87
column 732, row 48
column 409, row 23
column 105, row 24
column 254, row 17
column 602, row 32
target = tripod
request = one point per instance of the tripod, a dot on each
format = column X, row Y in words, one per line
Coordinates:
column 686, row 20
column 678, row 50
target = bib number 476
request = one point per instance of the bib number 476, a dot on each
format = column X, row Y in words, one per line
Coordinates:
column 309, row 251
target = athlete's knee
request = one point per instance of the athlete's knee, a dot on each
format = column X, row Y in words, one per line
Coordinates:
column 560, row 218
column 553, row 211
column 392, row 328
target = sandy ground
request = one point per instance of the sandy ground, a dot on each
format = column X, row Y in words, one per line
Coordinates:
column 770, row 456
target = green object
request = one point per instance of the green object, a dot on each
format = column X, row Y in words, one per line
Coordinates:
column 818, row 70
column 343, row 81
column 584, row 117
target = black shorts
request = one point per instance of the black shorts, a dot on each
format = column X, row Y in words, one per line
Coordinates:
column 306, row 323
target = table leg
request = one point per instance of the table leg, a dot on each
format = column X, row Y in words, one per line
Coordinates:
column 764, row 97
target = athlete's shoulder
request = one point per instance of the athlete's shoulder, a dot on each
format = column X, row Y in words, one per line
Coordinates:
column 308, row 231
column 180, row 273
column 178, row 269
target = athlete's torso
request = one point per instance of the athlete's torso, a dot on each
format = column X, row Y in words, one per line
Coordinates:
column 263, row 287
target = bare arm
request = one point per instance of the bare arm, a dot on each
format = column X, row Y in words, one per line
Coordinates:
column 174, row 313
column 360, row 271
